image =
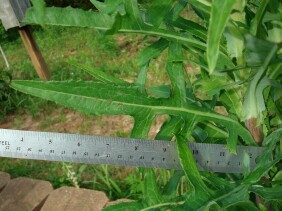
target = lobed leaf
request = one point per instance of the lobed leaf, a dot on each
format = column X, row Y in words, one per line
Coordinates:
column 90, row 97
column 101, row 98
column 131, row 22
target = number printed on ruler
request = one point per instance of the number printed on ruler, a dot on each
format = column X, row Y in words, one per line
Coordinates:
column 119, row 151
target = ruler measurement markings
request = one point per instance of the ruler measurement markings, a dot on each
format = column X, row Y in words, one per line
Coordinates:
column 119, row 151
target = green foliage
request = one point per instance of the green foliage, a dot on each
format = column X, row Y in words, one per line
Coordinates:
column 10, row 99
column 73, row 3
column 9, row 35
column 220, row 12
column 227, row 72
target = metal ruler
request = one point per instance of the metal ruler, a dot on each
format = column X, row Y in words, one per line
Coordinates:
column 119, row 151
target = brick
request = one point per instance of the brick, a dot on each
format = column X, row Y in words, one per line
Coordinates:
column 24, row 194
column 4, row 179
column 73, row 199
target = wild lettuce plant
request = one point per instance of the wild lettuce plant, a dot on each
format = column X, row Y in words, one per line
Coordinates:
column 235, row 47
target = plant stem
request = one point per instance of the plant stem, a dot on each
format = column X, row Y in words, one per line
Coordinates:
column 255, row 130
column 163, row 205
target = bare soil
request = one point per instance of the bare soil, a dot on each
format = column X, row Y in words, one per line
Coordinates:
column 69, row 121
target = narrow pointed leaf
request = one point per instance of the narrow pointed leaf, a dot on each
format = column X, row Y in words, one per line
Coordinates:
column 160, row 91
column 144, row 58
column 151, row 194
column 226, row 199
column 171, row 127
column 141, row 79
column 269, row 194
column 158, row 11
column 142, row 123
column 201, row 7
column 258, row 17
column 171, row 187
column 152, row 51
column 99, row 75
column 175, row 70
column 189, row 166
column 220, row 13
column 191, row 27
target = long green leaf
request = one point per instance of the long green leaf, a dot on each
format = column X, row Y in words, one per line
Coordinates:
column 131, row 23
column 190, row 168
column 220, row 13
column 100, row 98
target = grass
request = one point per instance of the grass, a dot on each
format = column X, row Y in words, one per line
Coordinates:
column 116, row 55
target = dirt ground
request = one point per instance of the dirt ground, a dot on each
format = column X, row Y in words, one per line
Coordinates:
column 69, row 121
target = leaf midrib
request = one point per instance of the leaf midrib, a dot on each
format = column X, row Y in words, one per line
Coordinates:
column 155, row 108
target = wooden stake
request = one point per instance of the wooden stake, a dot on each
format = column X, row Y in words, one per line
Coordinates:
column 34, row 53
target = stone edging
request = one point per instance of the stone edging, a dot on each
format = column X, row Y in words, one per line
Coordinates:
column 30, row 194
